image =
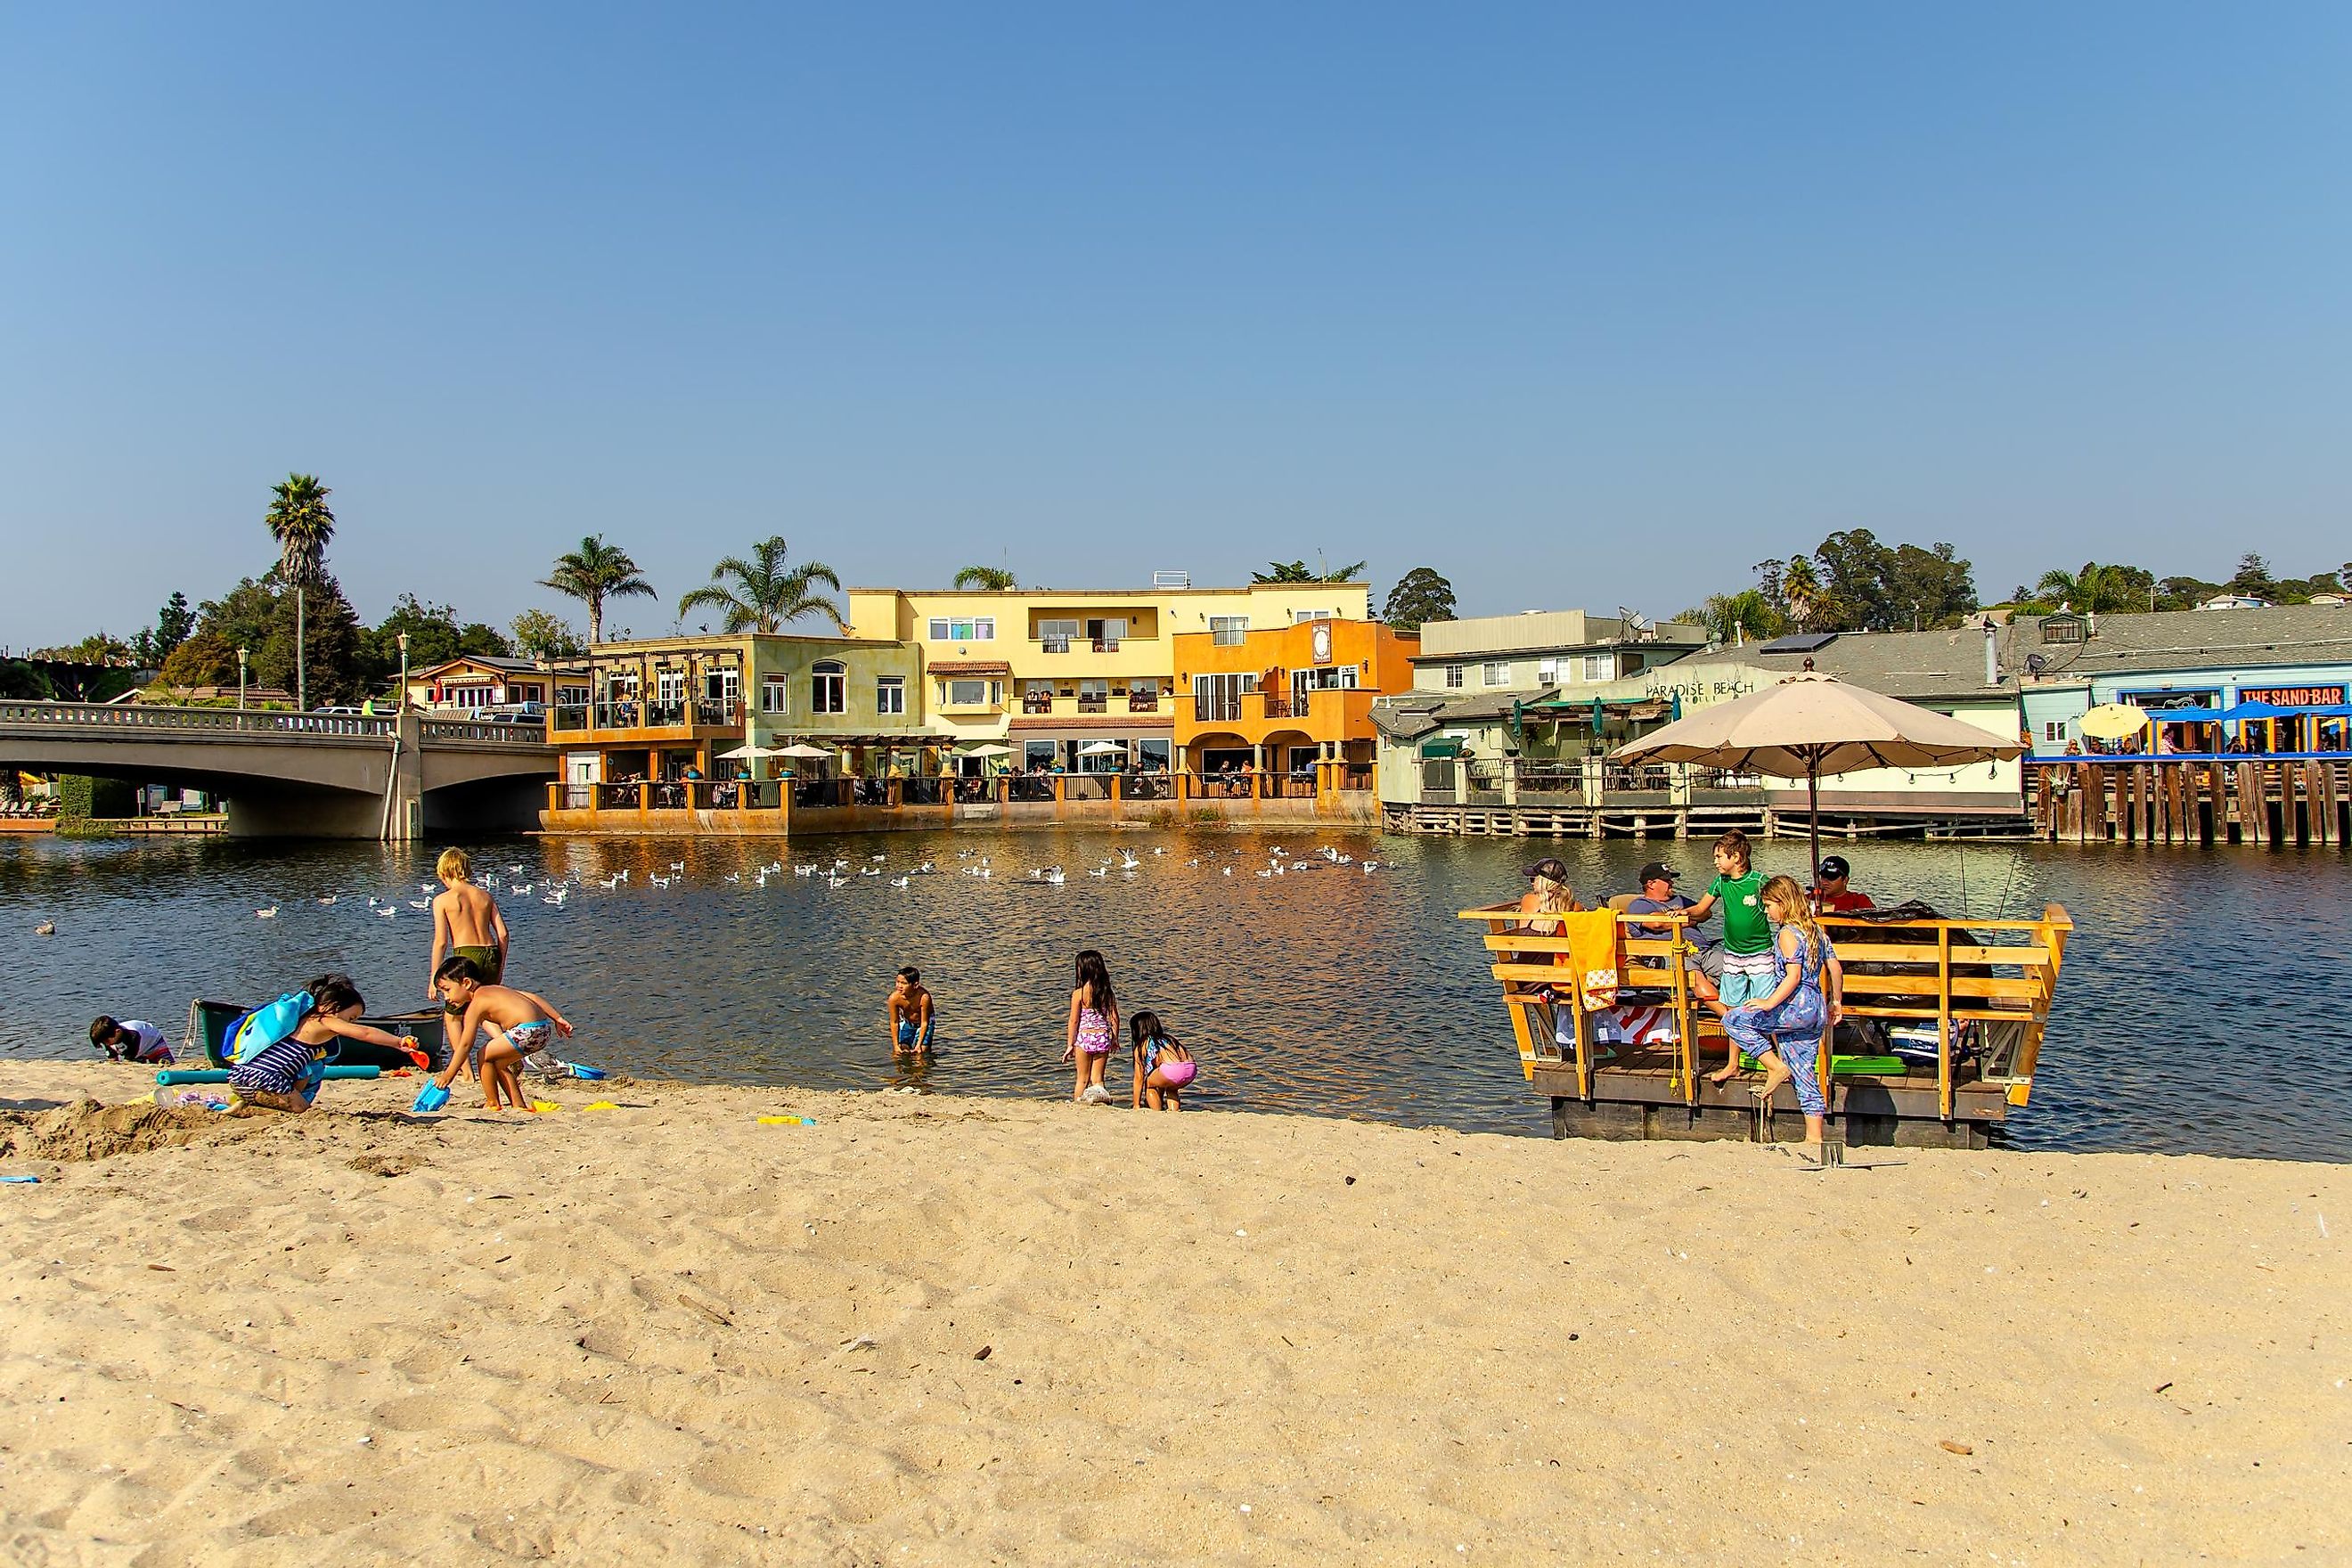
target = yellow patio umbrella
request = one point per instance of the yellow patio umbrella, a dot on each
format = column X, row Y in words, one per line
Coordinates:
column 2114, row 721
column 1810, row 724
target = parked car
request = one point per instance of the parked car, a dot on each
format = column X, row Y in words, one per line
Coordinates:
column 511, row 714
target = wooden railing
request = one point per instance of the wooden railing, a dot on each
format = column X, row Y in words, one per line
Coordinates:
column 2000, row 976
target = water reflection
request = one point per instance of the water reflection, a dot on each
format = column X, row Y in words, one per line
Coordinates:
column 2187, row 1015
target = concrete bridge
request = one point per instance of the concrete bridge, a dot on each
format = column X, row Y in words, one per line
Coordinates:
column 302, row 775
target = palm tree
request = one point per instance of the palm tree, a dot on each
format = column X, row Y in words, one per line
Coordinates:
column 1299, row 572
column 300, row 522
column 595, row 572
column 990, row 579
column 1800, row 589
column 2087, row 592
column 765, row 595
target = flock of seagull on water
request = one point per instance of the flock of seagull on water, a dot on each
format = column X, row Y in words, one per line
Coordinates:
column 553, row 891
column 840, row 873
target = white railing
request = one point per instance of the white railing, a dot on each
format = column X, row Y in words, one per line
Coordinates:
column 101, row 717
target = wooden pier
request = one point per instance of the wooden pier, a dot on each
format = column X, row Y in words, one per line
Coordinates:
column 1982, row 988
column 2264, row 801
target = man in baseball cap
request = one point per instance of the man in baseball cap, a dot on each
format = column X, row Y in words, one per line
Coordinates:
column 1658, row 896
column 1834, row 897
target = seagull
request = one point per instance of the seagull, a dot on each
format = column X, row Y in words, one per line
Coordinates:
column 1261, row 874
column 871, row 872
column 927, row 870
column 1160, row 851
column 420, row 903
column 1127, row 861
column 522, row 888
column 268, row 914
column 676, row 866
column 836, row 881
column 1370, row 867
column 661, row 881
column 1194, row 861
column 1099, row 872
column 389, row 911
column 47, row 927
column 902, row 881
column 878, row 857
column 557, row 896
column 1228, row 870
column 609, row 883
column 734, row 877
column 328, row 898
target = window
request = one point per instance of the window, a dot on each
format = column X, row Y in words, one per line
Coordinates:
column 890, row 694
column 722, row 685
column 1217, row 699
column 1495, row 674
column 1037, row 754
column 1056, row 635
column 1299, row 616
column 963, row 628
column 1453, row 678
column 669, row 686
column 1547, row 672
column 1599, row 667
column 1093, row 695
column 967, row 693
column 1228, row 631
column 1106, row 635
column 828, row 687
column 2053, row 729
column 771, row 694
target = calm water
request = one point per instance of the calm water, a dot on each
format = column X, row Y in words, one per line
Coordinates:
column 2197, row 1011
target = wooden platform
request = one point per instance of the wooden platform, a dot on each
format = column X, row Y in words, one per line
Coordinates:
column 1991, row 981
column 2260, row 800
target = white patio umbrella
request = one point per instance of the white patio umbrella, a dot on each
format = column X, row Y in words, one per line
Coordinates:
column 1810, row 724
column 990, row 750
column 800, row 749
column 747, row 752
column 1102, row 749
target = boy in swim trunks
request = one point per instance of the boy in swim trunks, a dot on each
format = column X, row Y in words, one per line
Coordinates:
column 910, row 1016
column 521, row 1023
column 465, row 924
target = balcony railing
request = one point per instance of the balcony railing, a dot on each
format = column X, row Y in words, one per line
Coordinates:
column 1093, row 704
column 1036, row 702
column 1143, row 702
column 1216, row 709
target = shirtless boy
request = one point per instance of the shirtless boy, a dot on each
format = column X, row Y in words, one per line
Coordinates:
column 465, row 924
column 910, row 1016
column 520, row 1022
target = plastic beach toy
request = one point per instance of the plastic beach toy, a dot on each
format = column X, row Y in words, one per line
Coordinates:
column 581, row 1070
column 431, row 1097
column 544, row 1106
column 20, row 1181
column 787, row 1121
column 600, row 1105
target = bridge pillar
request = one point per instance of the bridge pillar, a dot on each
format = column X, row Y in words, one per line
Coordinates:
column 406, row 818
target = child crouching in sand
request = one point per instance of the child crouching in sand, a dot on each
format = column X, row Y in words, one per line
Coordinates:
column 285, row 1076
column 521, row 1023
column 1163, row 1066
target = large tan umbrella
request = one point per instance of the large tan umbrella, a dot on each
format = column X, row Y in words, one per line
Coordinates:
column 1810, row 724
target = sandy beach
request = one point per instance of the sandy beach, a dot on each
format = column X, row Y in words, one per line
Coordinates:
column 937, row 1330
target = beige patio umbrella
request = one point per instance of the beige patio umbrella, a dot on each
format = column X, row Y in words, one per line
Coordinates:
column 1810, row 724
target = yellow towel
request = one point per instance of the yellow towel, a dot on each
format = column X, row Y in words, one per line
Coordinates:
column 1592, row 955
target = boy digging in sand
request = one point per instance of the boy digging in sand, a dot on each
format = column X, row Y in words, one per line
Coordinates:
column 521, row 1023
column 910, row 1016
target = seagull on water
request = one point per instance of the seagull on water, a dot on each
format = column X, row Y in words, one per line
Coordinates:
column 268, row 914
column 47, row 927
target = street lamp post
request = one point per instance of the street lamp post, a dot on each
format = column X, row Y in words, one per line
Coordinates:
column 404, row 672
column 240, row 680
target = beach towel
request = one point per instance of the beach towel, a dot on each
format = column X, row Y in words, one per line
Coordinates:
column 1634, row 1027
column 1593, row 956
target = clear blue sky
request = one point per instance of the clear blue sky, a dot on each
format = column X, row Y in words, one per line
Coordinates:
column 1581, row 308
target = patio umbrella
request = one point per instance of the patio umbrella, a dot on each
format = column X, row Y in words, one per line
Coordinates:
column 1102, row 749
column 747, row 752
column 991, row 749
column 1810, row 724
column 2112, row 721
column 800, row 749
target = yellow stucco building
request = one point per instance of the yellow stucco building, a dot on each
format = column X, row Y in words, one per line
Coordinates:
column 1078, row 679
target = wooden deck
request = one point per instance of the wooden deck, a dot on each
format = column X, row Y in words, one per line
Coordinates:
column 1992, row 981
column 2261, row 800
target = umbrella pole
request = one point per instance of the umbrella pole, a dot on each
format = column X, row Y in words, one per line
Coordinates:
column 1813, row 812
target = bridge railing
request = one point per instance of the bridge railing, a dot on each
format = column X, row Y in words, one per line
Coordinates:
column 107, row 716
column 509, row 734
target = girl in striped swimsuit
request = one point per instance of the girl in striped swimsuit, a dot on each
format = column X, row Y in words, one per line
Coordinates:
column 279, row 1076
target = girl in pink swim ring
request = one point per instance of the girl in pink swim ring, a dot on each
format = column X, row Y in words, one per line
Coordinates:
column 1163, row 1066
column 1094, row 1028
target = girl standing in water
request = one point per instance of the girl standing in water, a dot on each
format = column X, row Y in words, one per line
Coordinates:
column 1093, row 1027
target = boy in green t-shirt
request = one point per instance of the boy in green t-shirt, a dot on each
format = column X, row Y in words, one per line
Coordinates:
column 1747, row 932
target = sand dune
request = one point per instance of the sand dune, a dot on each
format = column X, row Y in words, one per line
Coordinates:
column 932, row 1330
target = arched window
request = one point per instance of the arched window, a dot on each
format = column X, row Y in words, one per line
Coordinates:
column 828, row 686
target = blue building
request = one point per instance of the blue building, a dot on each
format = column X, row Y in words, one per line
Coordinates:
column 2294, row 657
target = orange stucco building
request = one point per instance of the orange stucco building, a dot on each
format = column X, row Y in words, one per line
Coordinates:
column 1281, row 701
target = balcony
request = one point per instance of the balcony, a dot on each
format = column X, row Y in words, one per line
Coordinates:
column 627, row 713
column 1217, row 709
column 1143, row 702
column 1092, row 704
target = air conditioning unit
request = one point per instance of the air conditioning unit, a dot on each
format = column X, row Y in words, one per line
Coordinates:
column 1172, row 579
